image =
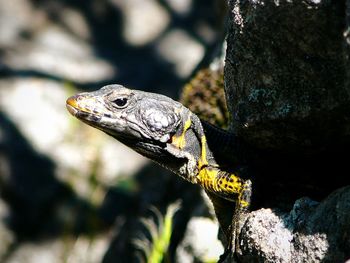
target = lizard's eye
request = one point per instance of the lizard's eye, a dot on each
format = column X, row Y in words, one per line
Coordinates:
column 120, row 102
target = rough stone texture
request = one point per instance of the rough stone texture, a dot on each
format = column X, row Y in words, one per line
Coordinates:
column 287, row 73
column 311, row 232
column 287, row 86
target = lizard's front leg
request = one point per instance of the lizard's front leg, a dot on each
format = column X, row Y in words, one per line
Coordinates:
column 225, row 185
column 233, row 227
column 241, row 208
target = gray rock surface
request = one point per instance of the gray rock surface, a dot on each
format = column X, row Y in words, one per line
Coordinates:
column 310, row 232
column 287, row 70
column 287, row 86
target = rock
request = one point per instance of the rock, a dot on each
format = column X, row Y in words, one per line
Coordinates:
column 181, row 50
column 287, row 81
column 287, row 74
column 310, row 232
column 263, row 232
column 200, row 242
column 144, row 21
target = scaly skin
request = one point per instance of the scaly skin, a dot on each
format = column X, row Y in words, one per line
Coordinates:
column 168, row 133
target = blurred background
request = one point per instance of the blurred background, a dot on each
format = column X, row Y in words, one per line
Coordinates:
column 69, row 193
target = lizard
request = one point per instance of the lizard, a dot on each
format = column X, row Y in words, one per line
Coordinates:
column 168, row 133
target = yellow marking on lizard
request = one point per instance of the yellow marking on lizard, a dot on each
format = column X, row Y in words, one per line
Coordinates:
column 212, row 179
column 180, row 141
column 203, row 160
column 217, row 181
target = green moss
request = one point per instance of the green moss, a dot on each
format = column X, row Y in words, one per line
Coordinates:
column 205, row 96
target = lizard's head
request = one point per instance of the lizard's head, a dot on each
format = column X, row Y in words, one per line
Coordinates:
column 143, row 121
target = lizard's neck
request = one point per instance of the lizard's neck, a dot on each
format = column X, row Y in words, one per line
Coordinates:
column 203, row 146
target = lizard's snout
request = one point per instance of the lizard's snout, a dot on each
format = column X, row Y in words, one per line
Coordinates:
column 82, row 103
column 72, row 105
